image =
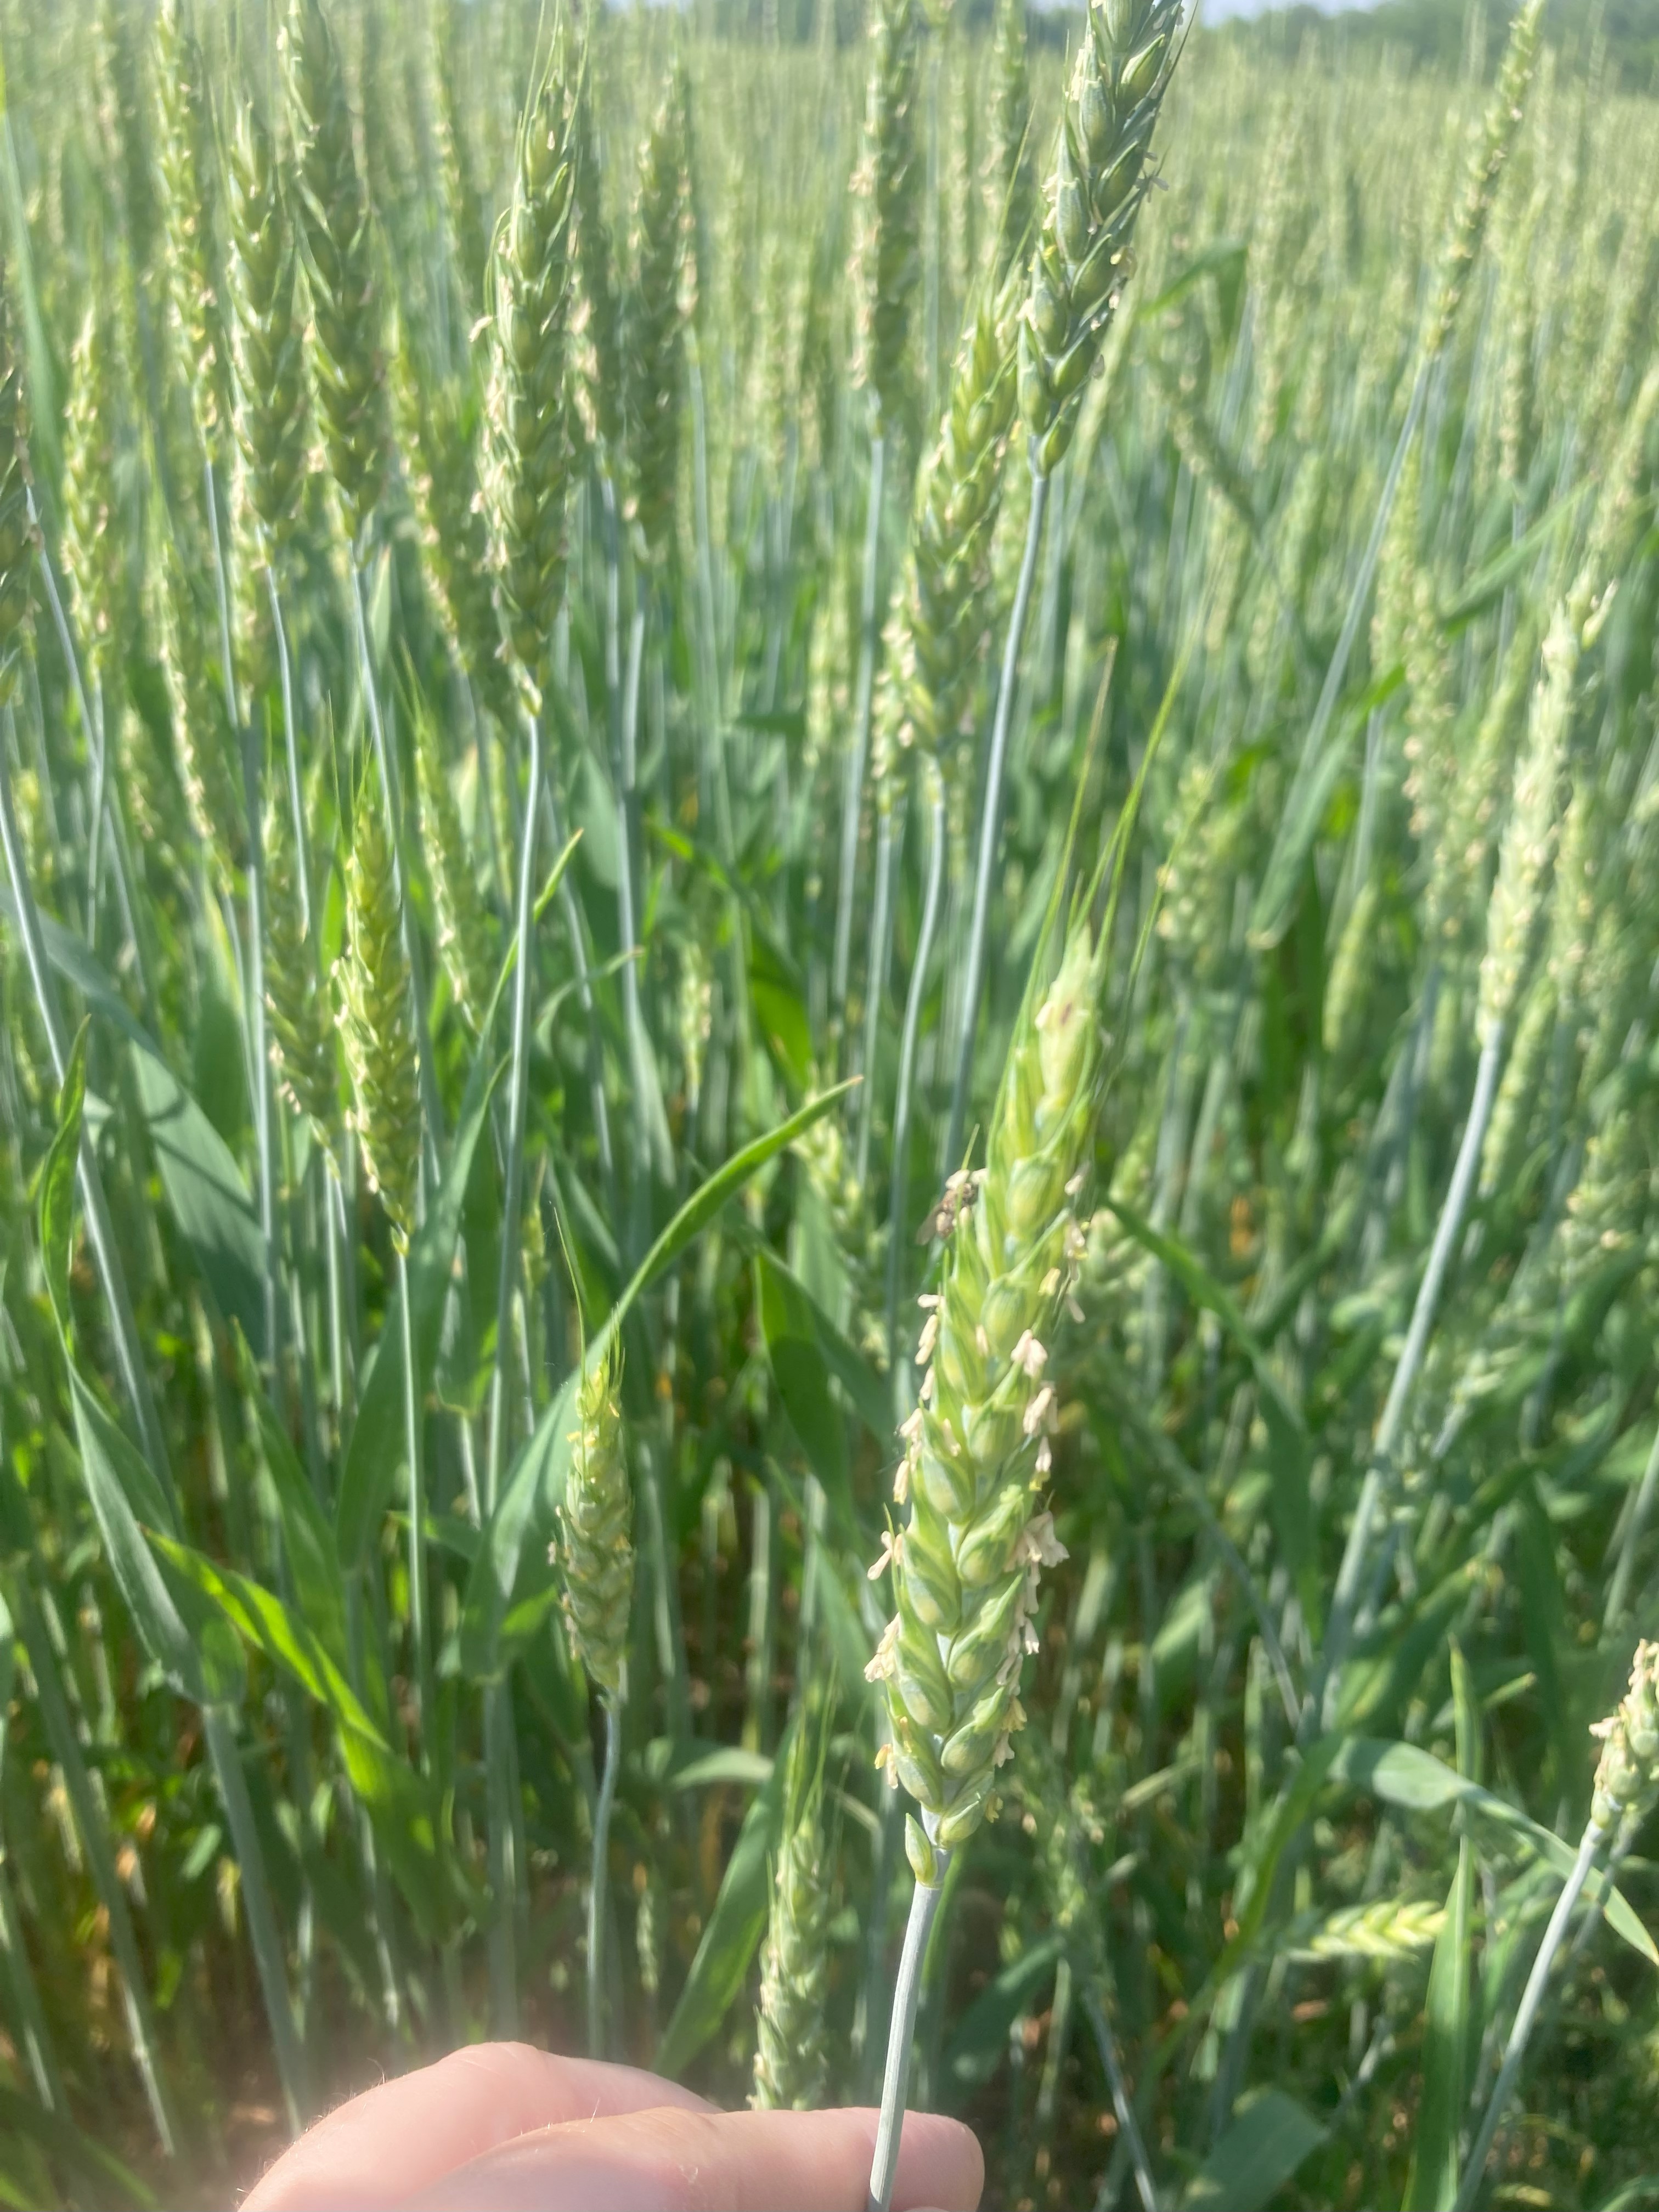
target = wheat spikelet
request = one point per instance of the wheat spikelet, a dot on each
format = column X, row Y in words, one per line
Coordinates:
column 1383, row 1933
column 1489, row 148
column 464, row 934
column 1011, row 176
column 596, row 1517
column 1100, row 179
column 596, row 321
column 372, row 980
column 1627, row 1771
column 17, row 531
column 437, row 429
column 347, row 373
column 299, row 1018
column 466, row 206
column 94, row 545
column 271, row 406
column 188, row 163
column 528, row 480
column 204, row 745
column 659, row 310
column 120, row 55
column 937, row 627
column 887, row 254
column 966, row 1563
column 791, row 2054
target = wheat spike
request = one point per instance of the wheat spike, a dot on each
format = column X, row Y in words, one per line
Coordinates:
column 937, row 630
column 188, row 162
column 791, row 2052
column 464, row 934
column 597, row 1519
column 659, row 305
column 300, row 1030
column 887, row 255
column 528, row 478
column 271, row 407
column 1100, row 179
column 372, row 980
column 17, row 530
column 966, row 1563
column 347, row 372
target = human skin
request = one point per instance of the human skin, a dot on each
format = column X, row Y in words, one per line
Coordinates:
column 523, row 2130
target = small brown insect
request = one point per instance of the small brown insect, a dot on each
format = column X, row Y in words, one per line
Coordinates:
column 955, row 1200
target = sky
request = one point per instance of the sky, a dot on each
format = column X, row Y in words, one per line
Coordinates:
column 1216, row 11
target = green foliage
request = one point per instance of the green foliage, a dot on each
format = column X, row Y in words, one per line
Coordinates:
column 1330, row 797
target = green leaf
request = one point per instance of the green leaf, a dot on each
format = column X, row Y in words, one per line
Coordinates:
column 1432, row 2185
column 308, row 1548
column 799, row 1370
column 684, row 1763
column 99, row 2177
column 544, row 1461
column 57, row 1204
column 377, row 1446
column 199, row 1660
column 399, row 1803
column 734, row 1930
column 1406, row 1775
column 1270, row 2135
column 531, row 1493
column 209, row 1198
column 779, row 1009
column 981, row 2042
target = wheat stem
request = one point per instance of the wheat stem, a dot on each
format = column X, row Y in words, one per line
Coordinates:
column 1355, row 1556
column 888, row 845
column 990, row 829
column 101, row 1231
column 899, row 1206
column 858, row 756
column 1122, row 2104
column 600, row 1876
column 1532, row 1997
column 91, row 1825
column 907, row 1994
column 419, row 1638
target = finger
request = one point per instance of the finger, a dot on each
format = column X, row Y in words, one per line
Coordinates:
column 385, row 2147
column 681, row 2161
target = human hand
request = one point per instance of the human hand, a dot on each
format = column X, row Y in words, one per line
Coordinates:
column 503, row 2126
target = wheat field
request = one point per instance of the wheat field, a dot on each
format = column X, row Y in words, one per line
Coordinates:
column 829, row 1085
